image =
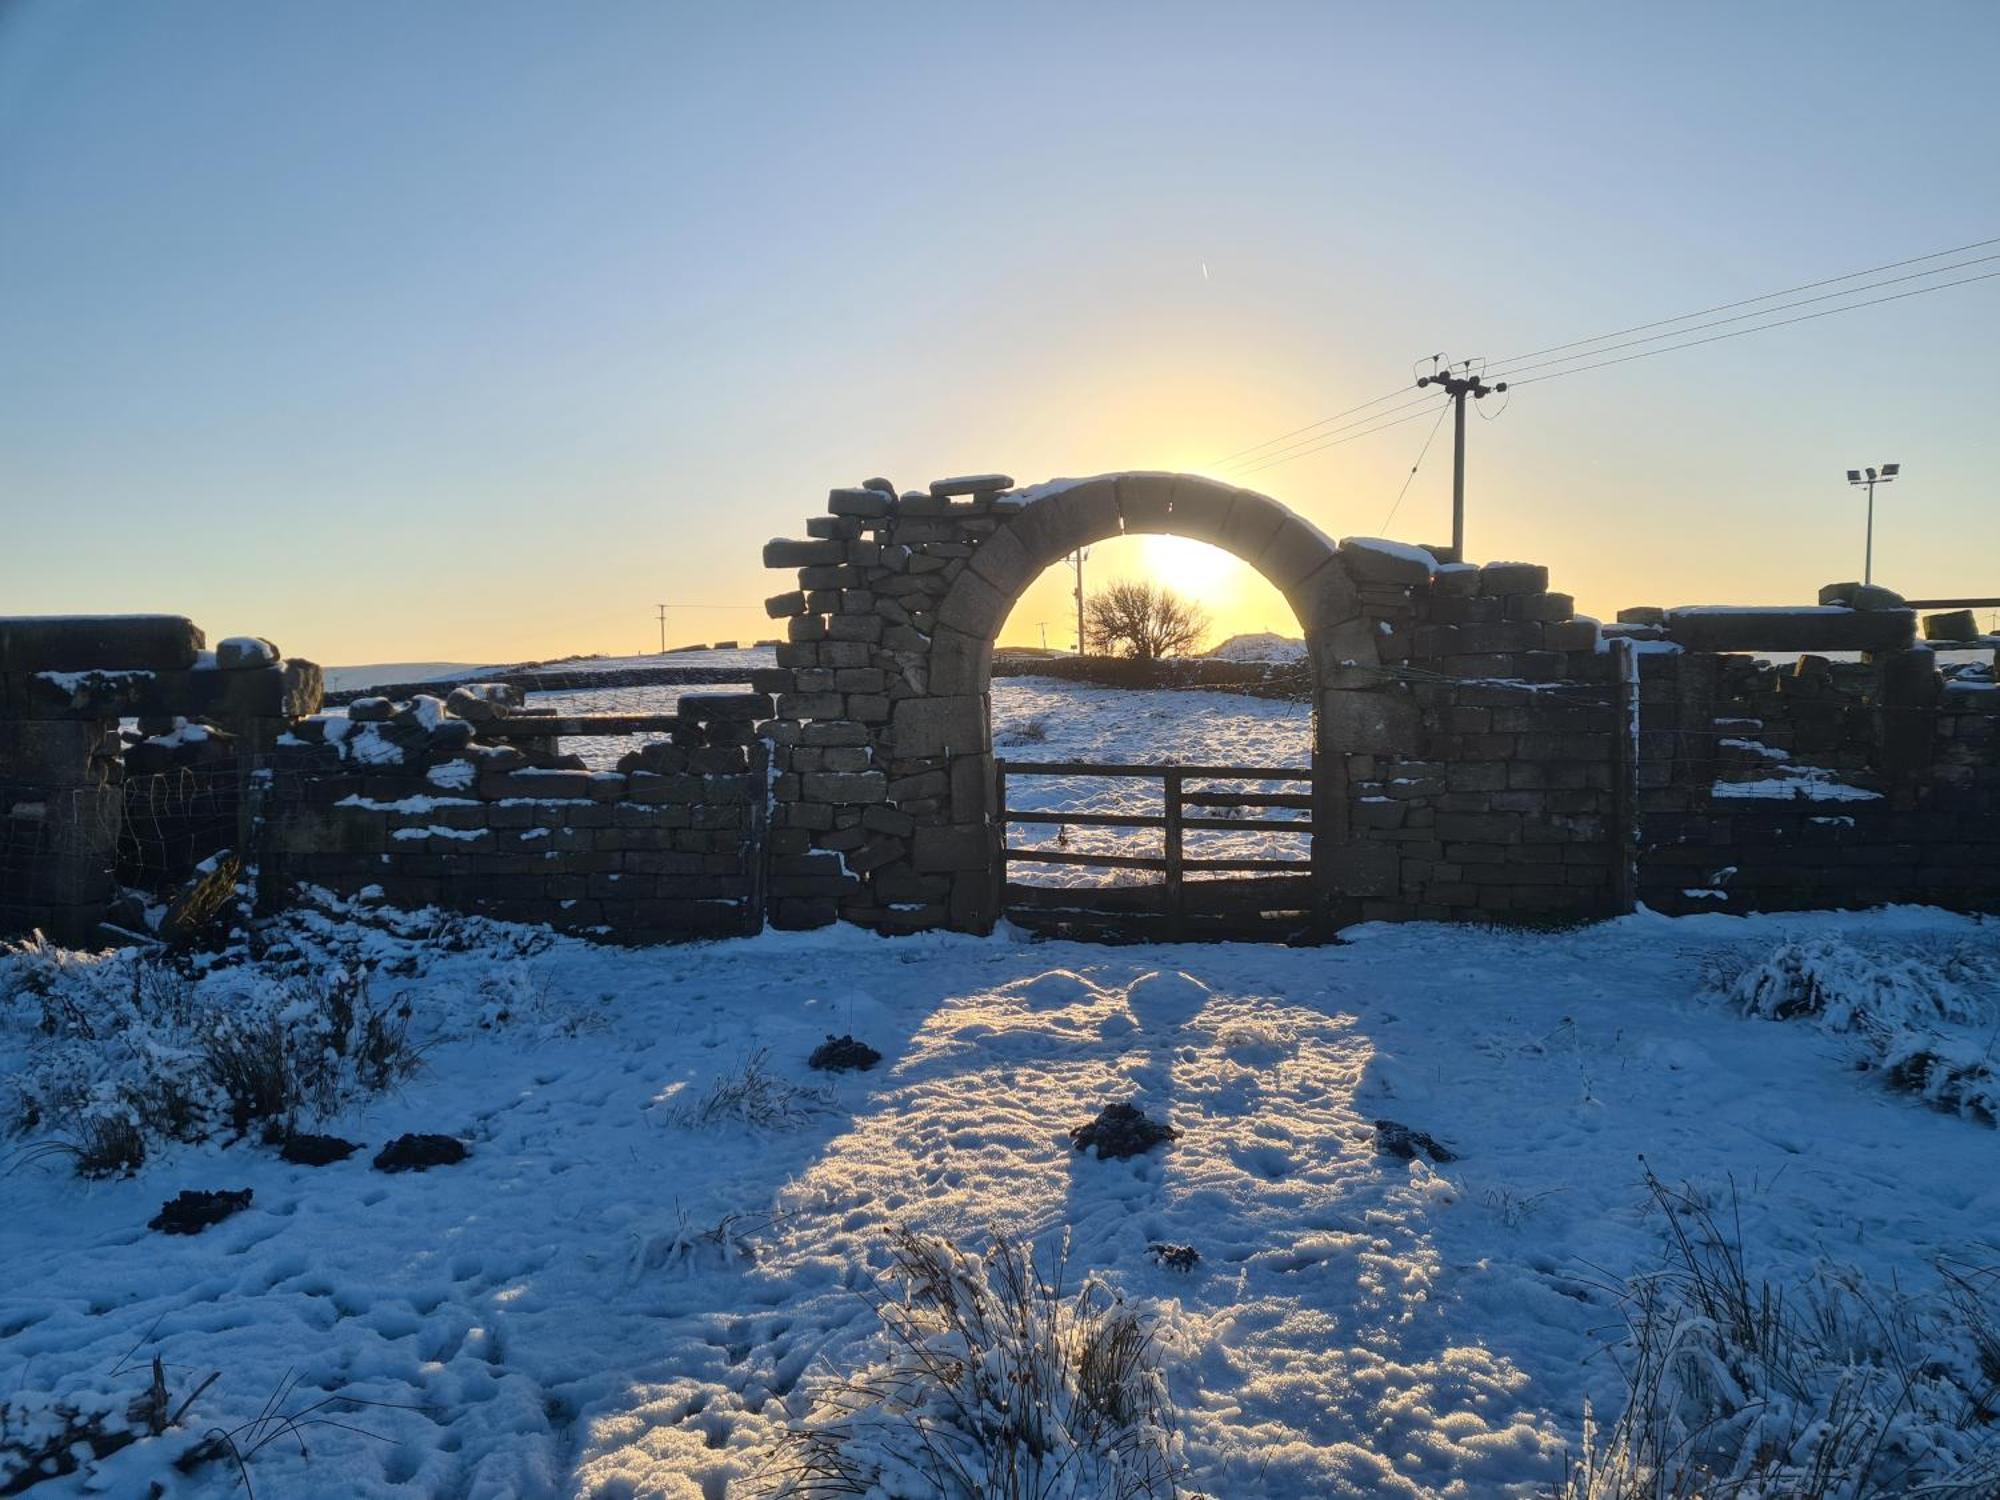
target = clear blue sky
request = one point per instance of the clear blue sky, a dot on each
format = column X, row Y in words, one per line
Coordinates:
column 473, row 330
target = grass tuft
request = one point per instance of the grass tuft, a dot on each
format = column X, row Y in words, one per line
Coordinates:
column 993, row 1384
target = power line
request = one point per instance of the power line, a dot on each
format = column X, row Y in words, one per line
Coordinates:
column 1336, row 442
column 1310, row 426
column 1896, row 265
column 1264, row 459
column 1761, row 313
column 1740, row 332
column 1429, row 438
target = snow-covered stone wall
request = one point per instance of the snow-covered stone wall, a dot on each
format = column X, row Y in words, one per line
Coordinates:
column 1818, row 783
column 885, row 810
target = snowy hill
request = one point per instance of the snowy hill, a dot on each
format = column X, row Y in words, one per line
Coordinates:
column 1263, row 645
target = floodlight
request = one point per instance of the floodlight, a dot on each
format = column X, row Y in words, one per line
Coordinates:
column 1854, row 476
column 1889, row 471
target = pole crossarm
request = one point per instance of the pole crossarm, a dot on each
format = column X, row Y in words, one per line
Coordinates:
column 1456, row 389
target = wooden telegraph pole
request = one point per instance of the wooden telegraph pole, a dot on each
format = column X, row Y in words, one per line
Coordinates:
column 1457, row 388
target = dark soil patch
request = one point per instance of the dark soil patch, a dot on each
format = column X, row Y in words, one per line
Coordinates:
column 193, row 1211
column 417, row 1153
column 317, row 1150
column 1120, row 1130
column 1402, row 1141
column 840, row 1054
column 1174, row 1257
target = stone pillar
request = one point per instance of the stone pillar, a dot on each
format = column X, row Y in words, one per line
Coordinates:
column 61, row 771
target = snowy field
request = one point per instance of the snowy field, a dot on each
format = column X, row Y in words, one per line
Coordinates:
column 614, row 1296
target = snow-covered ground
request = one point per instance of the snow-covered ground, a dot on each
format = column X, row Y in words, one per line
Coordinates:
column 1041, row 719
column 608, row 1299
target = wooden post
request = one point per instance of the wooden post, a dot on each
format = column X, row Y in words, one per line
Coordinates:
column 1176, row 902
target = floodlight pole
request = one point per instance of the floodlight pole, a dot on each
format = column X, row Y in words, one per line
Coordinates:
column 1456, row 390
column 1871, row 477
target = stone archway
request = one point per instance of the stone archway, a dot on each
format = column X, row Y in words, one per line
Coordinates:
column 884, row 793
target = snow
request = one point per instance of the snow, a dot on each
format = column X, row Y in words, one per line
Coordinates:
column 1811, row 783
column 1402, row 550
column 1760, row 609
column 611, row 1298
column 413, row 804
column 183, row 733
column 69, row 682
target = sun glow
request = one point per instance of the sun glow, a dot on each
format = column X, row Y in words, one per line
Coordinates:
column 1236, row 598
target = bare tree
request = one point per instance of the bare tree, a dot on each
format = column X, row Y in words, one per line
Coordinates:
column 1145, row 621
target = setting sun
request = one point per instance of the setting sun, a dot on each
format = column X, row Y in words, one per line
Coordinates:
column 1235, row 596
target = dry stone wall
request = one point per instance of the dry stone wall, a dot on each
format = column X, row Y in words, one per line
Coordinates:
column 1818, row 783
column 885, row 806
column 407, row 806
column 1480, row 751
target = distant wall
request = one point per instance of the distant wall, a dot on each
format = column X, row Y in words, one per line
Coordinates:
column 671, row 846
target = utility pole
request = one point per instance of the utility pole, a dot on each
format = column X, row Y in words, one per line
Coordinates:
column 663, row 627
column 1081, row 554
column 1873, row 477
column 1457, row 388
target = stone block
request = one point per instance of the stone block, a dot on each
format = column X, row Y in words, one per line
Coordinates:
column 238, row 652
column 1539, row 606
column 974, row 606
column 1253, row 521
column 1647, row 614
column 970, row 484
column 953, row 846
column 1324, row 598
column 960, row 664
column 975, row 902
column 1360, row 722
column 1297, row 550
column 1059, row 523
column 1003, row 562
column 1146, row 502
column 1455, row 580
column 810, row 705
column 1370, row 559
column 845, row 786
column 972, row 788
column 863, row 628
column 939, row 726
column 1513, row 578
column 1953, row 625
column 1570, row 635
column 1804, row 628
column 483, row 702
column 866, row 504
column 783, row 553
column 783, row 606
column 1364, row 867
column 80, row 643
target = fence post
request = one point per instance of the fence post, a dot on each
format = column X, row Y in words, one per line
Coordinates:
column 1176, row 903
